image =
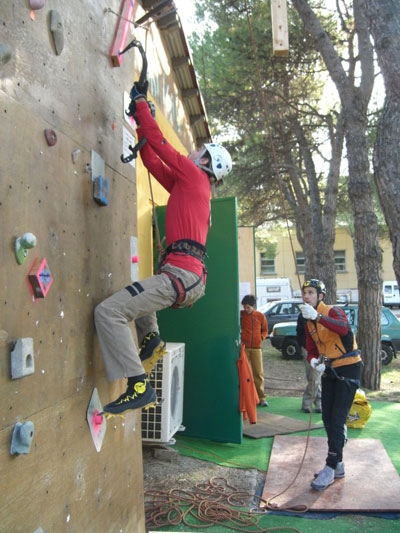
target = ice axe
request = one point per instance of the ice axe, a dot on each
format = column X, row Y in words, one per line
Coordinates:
column 142, row 79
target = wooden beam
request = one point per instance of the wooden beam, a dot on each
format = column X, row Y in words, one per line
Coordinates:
column 195, row 119
column 179, row 62
column 192, row 92
column 280, row 31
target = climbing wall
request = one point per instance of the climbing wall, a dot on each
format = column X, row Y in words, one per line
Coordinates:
column 62, row 119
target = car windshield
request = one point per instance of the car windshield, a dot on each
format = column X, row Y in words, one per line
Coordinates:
column 384, row 319
column 286, row 309
column 283, row 307
column 350, row 313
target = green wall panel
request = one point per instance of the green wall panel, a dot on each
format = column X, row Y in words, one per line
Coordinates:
column 211, row 332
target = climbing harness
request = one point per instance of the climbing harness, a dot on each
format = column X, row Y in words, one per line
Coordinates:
column 188, row 247
column 328, row 363
column 180, row 288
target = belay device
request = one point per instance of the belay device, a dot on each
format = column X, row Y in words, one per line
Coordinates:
column 142, row 79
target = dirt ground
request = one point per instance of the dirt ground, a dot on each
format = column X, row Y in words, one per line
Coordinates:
column 165, row 469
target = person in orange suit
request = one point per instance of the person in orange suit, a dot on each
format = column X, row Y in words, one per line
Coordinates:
column 254, row 329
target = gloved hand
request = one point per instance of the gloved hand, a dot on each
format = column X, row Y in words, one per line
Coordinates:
column 317, row 366
column 139, row 90
column 308, row 311
column 132, row 111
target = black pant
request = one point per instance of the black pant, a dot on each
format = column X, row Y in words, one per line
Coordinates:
column 337, row 399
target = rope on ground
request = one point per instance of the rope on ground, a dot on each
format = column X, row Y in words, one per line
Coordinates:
column 297, row 508
column 210, row 503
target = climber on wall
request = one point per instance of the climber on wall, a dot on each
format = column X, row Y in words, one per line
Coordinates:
column 181, row 278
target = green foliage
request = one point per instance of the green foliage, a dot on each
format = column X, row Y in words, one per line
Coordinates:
column 273, row 113
column 256, row 101
column 264, row 243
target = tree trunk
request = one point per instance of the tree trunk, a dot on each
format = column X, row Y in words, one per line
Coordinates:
column 368, row 253
column 354, row 99
column 315, row 221
column 384, row 17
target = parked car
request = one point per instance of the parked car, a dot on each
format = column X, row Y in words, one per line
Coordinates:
column 281, row 311
column 283, row 336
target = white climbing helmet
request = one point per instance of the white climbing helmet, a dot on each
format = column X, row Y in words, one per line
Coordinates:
column 221, row 161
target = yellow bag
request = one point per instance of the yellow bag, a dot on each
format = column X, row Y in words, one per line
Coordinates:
column 360, row 411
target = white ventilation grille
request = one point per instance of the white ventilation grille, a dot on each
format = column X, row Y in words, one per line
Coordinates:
column 160, row 424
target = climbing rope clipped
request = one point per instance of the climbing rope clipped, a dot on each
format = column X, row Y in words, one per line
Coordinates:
column 210, row 503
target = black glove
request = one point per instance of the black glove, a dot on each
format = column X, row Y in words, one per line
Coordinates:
column 132, row 110
column 139, row 90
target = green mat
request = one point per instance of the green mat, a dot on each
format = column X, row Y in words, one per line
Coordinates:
column 255, row 453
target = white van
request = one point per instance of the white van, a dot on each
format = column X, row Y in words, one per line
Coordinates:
column 272, row 289
column 391, row 296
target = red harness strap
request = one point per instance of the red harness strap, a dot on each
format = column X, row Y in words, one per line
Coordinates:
column 180, row 288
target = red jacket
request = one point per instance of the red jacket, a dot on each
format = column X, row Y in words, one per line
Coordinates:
column 254, row 328
column 248, row 397
column 188, row 208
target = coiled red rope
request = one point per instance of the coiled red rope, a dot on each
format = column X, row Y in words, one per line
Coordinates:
column 211, row 503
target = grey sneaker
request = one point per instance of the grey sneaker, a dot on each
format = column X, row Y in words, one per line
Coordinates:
column 339, row 471
column 325, row 478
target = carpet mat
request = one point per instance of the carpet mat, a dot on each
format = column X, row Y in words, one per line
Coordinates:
column 371, row 484
column 269, row 425
column 255, row 453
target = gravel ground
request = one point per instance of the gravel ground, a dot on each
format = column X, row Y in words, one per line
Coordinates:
column 165, row 469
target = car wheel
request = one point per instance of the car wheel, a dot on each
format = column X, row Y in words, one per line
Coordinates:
column 387, row 353
column 291, row 349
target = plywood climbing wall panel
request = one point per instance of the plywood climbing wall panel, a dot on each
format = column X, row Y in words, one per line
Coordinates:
column 64, row 483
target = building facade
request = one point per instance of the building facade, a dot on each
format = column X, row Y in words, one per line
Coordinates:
column 284, row 265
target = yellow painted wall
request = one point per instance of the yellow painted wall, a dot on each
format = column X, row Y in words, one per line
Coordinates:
column 246, row 248
column 285, row 262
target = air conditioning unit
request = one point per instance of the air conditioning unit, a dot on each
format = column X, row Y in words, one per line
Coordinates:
column 160, row 424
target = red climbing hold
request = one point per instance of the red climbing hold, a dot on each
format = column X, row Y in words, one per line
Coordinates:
column 51, row 137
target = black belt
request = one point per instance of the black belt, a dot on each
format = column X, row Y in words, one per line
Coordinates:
column 329, row 361
column 188, row 247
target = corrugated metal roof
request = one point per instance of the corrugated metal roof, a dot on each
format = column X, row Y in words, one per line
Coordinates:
column 165, row 15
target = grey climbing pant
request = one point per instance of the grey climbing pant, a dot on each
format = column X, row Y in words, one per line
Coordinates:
column 312, row 392
column 137, row 303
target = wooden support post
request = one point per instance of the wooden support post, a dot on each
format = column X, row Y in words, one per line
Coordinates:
column 121, row 32
column 280, row 32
